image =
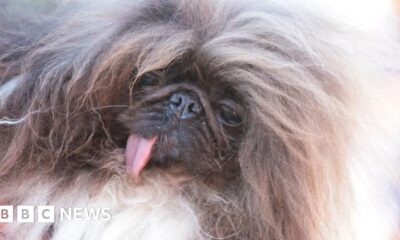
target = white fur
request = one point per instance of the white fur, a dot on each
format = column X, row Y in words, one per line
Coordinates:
column 151, row 210
column 148, row 212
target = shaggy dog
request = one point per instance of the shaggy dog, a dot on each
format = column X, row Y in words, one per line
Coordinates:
column 198, row 120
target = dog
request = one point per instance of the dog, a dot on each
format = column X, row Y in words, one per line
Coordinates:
column 198, row 120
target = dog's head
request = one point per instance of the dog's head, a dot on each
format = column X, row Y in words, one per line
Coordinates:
column 184, row 116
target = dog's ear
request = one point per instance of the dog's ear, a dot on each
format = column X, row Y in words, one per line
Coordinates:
column 289, row 179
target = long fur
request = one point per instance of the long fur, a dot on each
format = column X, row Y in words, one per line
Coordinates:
column 318, row 159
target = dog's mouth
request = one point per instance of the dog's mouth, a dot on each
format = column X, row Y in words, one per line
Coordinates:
column 168, row 150
column 138, row 153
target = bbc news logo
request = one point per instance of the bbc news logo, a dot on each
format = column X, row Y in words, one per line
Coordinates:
column 48, row 214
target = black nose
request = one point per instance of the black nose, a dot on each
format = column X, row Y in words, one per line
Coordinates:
column 184, row 105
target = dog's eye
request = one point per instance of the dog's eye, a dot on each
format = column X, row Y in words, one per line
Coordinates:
column 148, row 80
column 228, row 115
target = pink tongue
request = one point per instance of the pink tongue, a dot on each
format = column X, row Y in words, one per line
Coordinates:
column 137, row 153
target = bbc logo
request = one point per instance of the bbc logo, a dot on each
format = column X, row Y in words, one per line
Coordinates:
column 26, row 214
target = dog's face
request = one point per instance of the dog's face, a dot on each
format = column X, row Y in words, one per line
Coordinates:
column 180, row 116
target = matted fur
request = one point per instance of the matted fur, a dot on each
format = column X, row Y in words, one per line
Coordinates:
column 313, row 139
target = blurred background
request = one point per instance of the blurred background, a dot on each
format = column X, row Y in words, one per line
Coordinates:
column 367, row 14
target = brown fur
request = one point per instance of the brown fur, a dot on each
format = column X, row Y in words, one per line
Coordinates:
column 76, row 75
